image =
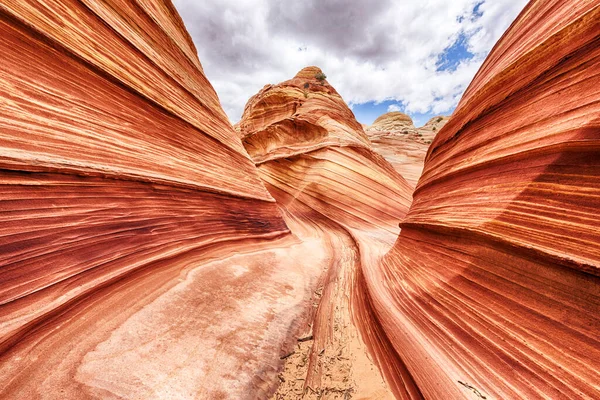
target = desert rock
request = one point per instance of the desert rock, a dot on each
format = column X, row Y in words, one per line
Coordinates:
column 151, row 250
column 394, row 136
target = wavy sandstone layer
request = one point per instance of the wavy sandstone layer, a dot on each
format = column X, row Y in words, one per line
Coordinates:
column 492, row 289
column 392, row 121
column 134, row 260
column 149, row 250
column 306, row 141
column 319, row 166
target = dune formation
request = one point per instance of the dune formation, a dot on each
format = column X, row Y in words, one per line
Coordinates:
column 151, row 250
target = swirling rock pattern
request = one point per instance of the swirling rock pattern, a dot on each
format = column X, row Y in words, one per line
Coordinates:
column 492, row 289
column 307, row 143
column 148, row 249
column 320, row 167
column 132, row 219
column 392, row 121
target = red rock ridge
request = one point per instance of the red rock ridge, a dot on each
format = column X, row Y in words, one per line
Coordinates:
column 122, row 183
column 492, row 289
column 150, row 250
column 303, row 137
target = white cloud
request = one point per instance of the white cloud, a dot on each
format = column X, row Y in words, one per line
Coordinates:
column 393, row 107
column 371, row 51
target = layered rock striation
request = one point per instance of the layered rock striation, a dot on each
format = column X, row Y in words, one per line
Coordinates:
column 492, row 286
column 319, row 165
column 122, row 184
column 392, row 121
column 148, row 249
column 394, row 136
column 306, row 142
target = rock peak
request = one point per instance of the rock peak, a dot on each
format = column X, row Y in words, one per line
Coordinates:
column 392, row 121
column 393, row 116
column 309, row 72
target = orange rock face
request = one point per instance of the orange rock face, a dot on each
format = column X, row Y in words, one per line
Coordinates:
column 150, row 250
column 320, row 167
column 492, row 289
column 392, row 121
column 306, row 142
column 394, row 136
column 132, row 219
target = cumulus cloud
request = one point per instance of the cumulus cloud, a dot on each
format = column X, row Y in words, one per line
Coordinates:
column 394, row 107
column 371, row 51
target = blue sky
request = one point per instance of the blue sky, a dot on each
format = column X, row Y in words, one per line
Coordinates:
column 366, row 113
column 449, row 60
column 413, row 56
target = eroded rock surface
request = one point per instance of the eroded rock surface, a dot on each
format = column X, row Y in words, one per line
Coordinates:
column 150, row 250
column 493, row 286
column 140, row 254
column 320, row 167
column 394, row 136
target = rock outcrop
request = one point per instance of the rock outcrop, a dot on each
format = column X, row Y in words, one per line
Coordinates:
column 307, row 143
column 132, row 219
column 394, row 136
column 492, row 289
column 149, row 249
column 392, row 121
column 432, row 127
column 320, row 167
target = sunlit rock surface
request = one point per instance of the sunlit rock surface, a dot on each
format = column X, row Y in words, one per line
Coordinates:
column 392, row 121
column 150, row 250
column 394, row 136
column 140, row 254
column 492, row 289
column 320, row 167
column 307, row 143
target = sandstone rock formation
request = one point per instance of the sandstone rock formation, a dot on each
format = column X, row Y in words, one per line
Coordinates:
column 305, row 141
column 318, row 164
column 132, row 218
column 493, row 286
column 394, row 136
column 432, row 127
column 149, row 249
column 392, row 121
